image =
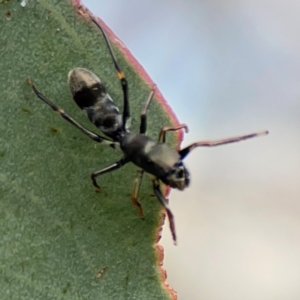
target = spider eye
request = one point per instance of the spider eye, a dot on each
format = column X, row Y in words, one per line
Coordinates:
column 179, row 174
column 173, row 171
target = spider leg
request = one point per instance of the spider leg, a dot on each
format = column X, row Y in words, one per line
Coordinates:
column 140, row 172
column 164, row 203
column 143, row 124
column 162, row 133
column 64, row 115
column 135, row 191
column 123, row 80
column 118, row 164
column 185, row 151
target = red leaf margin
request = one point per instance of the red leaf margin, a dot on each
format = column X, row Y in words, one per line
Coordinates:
column 84, row 12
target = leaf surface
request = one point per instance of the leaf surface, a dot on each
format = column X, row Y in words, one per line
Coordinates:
column 60, row 239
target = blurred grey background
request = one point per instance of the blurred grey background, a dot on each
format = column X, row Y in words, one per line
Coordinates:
column 227, row 68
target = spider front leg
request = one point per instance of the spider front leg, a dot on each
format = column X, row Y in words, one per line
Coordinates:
column 110, row 168
column 184, row 152
column 93, row 136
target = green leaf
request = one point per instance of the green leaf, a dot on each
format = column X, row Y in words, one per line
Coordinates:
column 60, row 239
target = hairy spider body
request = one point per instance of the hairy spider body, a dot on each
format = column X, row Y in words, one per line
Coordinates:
column 90, row 95
column 156, row 158
column 164, row 163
